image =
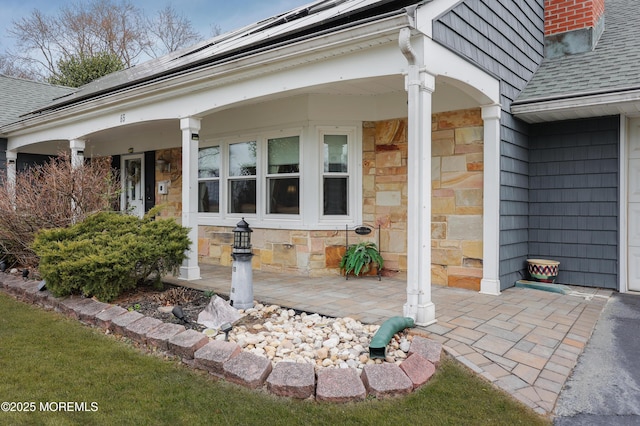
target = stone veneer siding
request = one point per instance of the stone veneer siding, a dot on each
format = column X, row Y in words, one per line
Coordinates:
column 457, row 179
column 457, row 182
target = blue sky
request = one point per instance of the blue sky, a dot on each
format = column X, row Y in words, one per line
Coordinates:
column 227, row 14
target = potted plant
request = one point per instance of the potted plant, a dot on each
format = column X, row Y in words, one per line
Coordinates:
column 359, row 257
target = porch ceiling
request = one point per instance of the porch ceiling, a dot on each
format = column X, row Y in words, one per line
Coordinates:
column 143, row 136
column 445, row 98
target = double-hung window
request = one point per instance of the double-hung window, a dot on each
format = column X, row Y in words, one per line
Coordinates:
column 283, row 175
column 242, row 184
column 209, row 179
column 335, row 175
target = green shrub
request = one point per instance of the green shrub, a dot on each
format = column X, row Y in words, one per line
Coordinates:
column 108, row 253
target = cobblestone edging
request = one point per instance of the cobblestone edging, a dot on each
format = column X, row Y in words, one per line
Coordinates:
column 228, row 361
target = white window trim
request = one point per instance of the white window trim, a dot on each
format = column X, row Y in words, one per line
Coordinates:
column 311, row 167
column 226, row 179
column 217, row 179
column 354, row 172
column 279, row 218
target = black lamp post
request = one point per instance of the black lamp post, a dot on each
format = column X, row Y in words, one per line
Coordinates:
column 242, row 274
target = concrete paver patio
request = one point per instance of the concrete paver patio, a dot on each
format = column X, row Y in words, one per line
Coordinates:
column 524, row 341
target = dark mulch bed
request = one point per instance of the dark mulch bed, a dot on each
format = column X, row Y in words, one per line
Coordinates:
column 149, row 301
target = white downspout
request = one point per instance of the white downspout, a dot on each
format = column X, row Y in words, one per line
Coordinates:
column 419, row 85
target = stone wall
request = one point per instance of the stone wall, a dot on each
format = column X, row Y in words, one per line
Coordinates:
column 384, row 181
column 457, row 181
column 172, row 173
column 457, row 178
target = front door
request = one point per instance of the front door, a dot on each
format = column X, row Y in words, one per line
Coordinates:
column 133, row 184
column 633, row 211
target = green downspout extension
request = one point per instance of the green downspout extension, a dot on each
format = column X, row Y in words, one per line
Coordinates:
column 384, row 334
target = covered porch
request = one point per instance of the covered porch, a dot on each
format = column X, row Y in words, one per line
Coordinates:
column 326, row 95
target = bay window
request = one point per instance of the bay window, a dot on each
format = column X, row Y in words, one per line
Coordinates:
column 297, row 178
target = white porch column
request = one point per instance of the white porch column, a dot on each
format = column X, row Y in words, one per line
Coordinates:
column 490, row 283
column 77, row 152
column 77, row 159
column 190, row 127
column 419, row 85
column 12, row 158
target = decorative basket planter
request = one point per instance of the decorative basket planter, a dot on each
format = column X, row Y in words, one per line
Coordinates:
column 543, row 270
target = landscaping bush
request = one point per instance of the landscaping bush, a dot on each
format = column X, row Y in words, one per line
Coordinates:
column 52, row 195
column 109, row 253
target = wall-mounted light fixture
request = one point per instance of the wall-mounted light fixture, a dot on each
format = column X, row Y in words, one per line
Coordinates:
column 163, row 164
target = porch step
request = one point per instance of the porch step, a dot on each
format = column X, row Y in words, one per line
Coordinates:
column 553, row 288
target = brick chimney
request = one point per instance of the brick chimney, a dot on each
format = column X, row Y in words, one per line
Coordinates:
column 572, row 26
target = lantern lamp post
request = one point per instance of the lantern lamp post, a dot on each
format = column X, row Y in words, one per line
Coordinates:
column 242, row 274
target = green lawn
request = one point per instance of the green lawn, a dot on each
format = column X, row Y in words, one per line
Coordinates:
column 48, row 358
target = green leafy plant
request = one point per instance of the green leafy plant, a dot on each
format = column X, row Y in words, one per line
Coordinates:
column 359, row 257
column 209, row 293
column 135, row 307
column 109, row 253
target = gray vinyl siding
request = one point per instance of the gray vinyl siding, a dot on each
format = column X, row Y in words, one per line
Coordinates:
column 574, row 199
column 505, row 38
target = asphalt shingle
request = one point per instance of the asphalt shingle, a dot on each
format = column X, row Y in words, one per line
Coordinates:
column 611, row 67
column 22, row 96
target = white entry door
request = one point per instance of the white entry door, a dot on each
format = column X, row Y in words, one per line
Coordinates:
column 633, row 210
column 133, row 184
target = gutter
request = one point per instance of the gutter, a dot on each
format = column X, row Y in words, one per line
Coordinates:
column 553, row 104
column 576, row 95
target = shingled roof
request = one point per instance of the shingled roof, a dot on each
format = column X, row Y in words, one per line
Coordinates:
column 614, row 65
column 18, row 97
column 319, row 17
